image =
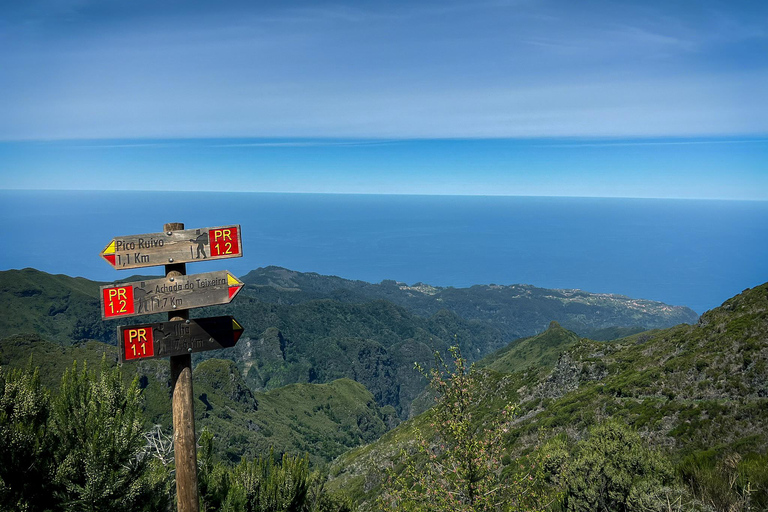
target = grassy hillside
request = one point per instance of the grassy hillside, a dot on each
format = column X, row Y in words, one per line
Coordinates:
column 374, row 343
column 540, row 350
column 323, row 420
column 698, row 392
column 52, row 358
column 688, row 387
column 56, row 307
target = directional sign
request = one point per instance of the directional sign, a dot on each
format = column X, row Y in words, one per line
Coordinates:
column 168, row 294
column 162, row 339
column 185, row 246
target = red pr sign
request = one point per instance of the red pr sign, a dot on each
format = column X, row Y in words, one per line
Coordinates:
column 138, row 342
column 118, row 301
column 224, row 241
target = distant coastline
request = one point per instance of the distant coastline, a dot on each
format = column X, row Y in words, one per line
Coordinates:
column 687, row 252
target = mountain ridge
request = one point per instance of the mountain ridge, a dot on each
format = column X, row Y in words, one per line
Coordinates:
column 478, row 302
column 305, row 327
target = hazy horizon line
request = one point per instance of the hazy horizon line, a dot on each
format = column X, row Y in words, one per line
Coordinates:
column 384, row 194
column 342, row 140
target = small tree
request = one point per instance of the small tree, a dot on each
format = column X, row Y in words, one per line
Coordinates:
column 98, row 429
column 461, row 468
column 81, row 450
column 25, row 447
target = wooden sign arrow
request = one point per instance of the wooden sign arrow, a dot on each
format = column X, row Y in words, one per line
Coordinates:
column 184, row 246
column 163, row 339
column 168, row 294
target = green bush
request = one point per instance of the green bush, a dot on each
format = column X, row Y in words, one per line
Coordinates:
column 98, row 429
column 462, row 467
column 613, row 470
column 726, row 480
column 263, row 484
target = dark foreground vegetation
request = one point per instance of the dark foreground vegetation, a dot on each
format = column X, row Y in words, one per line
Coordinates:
column 84, row 448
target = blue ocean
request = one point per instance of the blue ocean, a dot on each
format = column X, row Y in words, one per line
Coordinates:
column 695, row 253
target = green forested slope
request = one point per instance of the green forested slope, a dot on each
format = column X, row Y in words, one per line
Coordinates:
column 374, row 343
column 355, row 334
column 312, row 328
column 57, row 307
column 322, row 420
column 698, row 392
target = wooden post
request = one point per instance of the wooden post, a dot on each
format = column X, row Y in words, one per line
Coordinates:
column 184, row 440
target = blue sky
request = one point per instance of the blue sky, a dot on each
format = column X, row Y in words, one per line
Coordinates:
column 589, row 98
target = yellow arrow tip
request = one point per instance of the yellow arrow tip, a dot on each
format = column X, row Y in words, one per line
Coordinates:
column 236, row 326
column 232, row 280
column 110, row 248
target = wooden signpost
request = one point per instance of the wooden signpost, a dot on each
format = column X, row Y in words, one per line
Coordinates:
column 179, row 337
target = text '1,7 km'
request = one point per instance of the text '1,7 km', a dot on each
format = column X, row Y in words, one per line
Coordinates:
column 183, row 246
column 168, row 294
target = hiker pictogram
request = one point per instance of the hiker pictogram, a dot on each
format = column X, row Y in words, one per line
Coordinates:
column 201, row 240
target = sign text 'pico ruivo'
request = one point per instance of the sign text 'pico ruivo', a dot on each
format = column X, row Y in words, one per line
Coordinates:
column 184, row 246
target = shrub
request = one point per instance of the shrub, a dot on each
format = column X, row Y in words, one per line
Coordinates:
column 727, row 481
column 614, row 470
column 97, row 425
column 263, row 484
column 462, row 467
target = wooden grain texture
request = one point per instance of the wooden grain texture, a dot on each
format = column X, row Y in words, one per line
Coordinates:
column 174, row 246
column 183, row 409
column 184, row 441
